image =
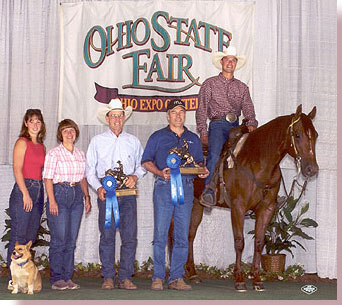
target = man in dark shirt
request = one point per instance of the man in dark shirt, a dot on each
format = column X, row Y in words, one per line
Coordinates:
column 154, row 160
column 222, row 98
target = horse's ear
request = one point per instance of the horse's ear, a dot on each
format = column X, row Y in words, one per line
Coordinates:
column 312, row 114
column 298, row 112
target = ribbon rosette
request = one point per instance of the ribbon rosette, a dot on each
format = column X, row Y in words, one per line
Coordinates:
column 177, row 194
column 109, row 184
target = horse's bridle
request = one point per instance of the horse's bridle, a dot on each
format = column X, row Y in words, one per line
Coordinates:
column 293, row 144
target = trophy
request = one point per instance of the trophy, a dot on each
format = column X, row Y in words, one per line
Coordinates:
column 118, row 174
column 183, row 153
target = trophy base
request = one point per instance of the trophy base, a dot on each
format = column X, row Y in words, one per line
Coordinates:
column 192, row 170
column 126, row 192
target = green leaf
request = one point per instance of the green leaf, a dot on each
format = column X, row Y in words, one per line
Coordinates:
column 291, row 204
column 299, row 244
column 288, row 215
column 308, row 222
column 303, row 235
column 305, row 208
column 6, row 236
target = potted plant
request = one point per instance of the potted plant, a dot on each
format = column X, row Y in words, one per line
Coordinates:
column 281, row 233
column 40, row 240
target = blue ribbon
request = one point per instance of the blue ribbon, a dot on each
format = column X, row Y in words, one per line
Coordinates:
column 177, row 194
column 109, row 184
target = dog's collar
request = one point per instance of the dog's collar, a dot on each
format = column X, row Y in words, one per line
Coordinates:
column 23, row 263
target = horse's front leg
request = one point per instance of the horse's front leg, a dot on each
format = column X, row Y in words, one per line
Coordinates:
column 237, row 214
column 196, row 218
column 263, row 217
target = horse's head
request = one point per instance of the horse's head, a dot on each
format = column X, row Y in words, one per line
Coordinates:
column 303, row 137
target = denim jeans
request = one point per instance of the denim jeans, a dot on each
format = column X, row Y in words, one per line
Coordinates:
column 164, row 210
column 64, row 229
column 128, row 234
column 24, row 225
column 218, row 135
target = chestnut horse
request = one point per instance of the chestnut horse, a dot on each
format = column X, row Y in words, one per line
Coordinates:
column 253, row 184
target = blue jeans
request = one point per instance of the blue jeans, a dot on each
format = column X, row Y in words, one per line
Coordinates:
column 64, row 229
column 164, row 210
column 25, row 225
column 218, row 135
column 128, row 234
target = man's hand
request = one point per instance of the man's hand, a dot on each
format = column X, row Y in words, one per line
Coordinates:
column 131, row 181
column 205, row 175
column 204, row 140
column 101, row 192
column 251, row 128
column 166, row 173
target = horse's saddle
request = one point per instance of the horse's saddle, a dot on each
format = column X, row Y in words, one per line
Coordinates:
column 237, row 137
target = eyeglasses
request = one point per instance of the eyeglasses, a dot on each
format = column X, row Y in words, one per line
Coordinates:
column 114, row 115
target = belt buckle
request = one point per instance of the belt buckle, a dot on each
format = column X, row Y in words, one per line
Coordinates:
column 72, row 184
column 231, row 117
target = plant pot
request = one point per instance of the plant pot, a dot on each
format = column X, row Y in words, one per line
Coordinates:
column 273, row 262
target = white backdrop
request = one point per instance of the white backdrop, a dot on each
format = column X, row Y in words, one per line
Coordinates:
column 294, row 63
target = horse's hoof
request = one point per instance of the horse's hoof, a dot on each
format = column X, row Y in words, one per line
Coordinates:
column 258, row 286
column 195, row 279
column 240, row 287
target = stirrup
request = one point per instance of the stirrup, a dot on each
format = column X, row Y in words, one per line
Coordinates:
column 208, row 199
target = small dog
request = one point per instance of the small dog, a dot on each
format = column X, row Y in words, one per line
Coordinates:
column 25, row 275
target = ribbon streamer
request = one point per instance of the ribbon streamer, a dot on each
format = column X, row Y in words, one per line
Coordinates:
column 177, row 194
column 109, row 184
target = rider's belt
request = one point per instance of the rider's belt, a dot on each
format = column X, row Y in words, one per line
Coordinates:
column 72, row 184
column 230, row 117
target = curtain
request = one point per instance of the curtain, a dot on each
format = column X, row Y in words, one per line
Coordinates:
column 294, row 62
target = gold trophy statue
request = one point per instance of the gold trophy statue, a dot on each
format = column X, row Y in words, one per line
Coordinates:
column 120, row 177
column 183, row 153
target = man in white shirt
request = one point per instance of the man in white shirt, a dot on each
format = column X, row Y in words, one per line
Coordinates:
column 104, row 152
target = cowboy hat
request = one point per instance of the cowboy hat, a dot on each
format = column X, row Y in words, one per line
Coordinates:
column 114, row 104
column 230, row 51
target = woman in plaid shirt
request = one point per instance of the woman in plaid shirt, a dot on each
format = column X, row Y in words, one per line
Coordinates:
column 66, row 185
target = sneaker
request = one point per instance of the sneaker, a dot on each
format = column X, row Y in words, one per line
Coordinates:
column 72, row 285
column 108, row 284
column 179, row 285
column 127, row 284
column 157, row 284
column 59, row 285
column 10, row 285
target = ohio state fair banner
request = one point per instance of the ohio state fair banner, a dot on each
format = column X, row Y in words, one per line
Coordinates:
column 146, row 53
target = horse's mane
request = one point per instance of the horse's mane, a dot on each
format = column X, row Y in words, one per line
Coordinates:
column 265, row 140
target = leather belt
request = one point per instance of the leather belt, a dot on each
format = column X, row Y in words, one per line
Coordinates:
column 218, row 118
column 72, row 184
column 230, row 117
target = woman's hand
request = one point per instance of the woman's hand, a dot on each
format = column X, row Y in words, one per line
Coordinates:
column 27, row 202
column 53, row 207
column 87, row 204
